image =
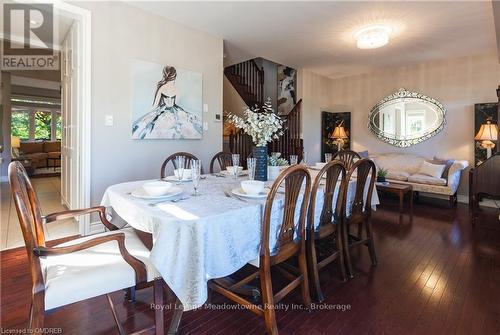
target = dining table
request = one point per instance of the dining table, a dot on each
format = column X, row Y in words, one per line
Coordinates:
column 208, row 236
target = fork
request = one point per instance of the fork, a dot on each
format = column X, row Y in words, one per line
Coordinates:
column 229, row 195
column 152, row 204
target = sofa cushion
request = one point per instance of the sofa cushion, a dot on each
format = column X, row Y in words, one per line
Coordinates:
column 433, row 170
column 446, row 162
column 397, row 175
column 398, row 162
column 424, row 179
column 31, row 147
column 51, row 146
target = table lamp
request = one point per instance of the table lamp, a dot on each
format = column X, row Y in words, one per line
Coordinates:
column 15, row 144
column 486, row 134
column 339, row 135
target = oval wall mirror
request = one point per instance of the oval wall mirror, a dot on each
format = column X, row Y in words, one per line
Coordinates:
column 406, row 118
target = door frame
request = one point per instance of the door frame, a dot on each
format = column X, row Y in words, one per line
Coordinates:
column 84, row 110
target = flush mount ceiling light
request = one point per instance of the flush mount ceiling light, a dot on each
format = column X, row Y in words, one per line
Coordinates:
column 372, row 37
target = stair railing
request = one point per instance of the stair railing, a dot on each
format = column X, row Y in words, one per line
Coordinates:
column 248, row 80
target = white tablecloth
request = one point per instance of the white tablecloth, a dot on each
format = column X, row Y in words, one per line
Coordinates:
column 204, row 237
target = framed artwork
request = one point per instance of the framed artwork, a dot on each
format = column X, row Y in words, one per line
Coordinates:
column 287, row 97
column 167, row 102
column 329, row 121
column 482, row 112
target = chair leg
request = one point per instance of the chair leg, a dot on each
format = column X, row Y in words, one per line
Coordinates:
column 306, row 297
column 371, row 246
column 345, row 242
column 37, row 317
column 158, row 300
column 115, row 316
column 340, row 247
column 268, row 300
column 312, row 262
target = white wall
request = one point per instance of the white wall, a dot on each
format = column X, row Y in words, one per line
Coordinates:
column 121, row 33
column 457, row 83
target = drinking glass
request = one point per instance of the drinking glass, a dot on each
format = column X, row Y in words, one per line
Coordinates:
column 251, row 163
column 294, row 159
column 236, row 164
column 304, row 158
column 180, row 164
column 195, row 175
column 328, row 157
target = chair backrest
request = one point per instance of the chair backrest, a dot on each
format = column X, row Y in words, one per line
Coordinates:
column 30, row 217
column 365, row 173
column 293, row 178
column 189, row 157
column 223, row 158
column 348, row 157
column 335, row 182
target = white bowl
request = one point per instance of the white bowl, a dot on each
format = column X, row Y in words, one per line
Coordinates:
column 186, row 173
column 230, row 169
column 252, row 187
column 156, row 188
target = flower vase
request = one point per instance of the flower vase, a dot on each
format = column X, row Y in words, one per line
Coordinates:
column 260, row 154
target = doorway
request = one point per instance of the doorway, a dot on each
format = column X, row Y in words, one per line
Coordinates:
column 59, row 124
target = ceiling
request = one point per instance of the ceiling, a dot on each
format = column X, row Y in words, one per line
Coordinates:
column 318, row 35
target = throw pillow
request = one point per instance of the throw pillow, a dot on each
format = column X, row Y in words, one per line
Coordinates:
column 433, row 170
column 447, row 162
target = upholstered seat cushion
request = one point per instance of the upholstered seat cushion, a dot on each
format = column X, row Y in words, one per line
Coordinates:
column 397, row 175
column 424, row 179
column 92, row 272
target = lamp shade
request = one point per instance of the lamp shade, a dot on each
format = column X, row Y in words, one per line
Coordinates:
column 339, row 132
column 15, row 142
column 487, row 132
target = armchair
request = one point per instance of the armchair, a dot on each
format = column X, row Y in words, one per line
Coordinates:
column 82, row 268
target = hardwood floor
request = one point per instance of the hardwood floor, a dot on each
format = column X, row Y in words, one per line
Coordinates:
column 436, row 275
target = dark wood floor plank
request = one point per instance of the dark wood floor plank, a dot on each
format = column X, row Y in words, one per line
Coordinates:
column 436, row 275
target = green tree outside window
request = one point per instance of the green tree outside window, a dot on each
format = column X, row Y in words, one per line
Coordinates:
column 43, row 121
column 20, row 125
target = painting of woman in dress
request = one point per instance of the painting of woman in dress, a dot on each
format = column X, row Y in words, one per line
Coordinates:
column 176, row 112
column 286, row 89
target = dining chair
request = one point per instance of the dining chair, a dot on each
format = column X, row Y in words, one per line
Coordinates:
column 188, row 156
column 223, row 158
column 349, row 157
column 82, row 268
column 326, row 239
column 290, row 242
column 360, row 213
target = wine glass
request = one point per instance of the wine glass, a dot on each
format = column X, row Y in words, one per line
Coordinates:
column 195, row 175
column 180, row 164
column 294, row 159
column 236, row 163
column 304, row 158
column 251, row 163
column 328, row 157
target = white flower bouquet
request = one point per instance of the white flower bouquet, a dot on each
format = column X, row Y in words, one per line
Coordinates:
column 263, row 126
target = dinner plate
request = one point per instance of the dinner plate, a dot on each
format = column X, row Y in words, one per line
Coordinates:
column 240, row 174
column 141, row 193
column 175, row 179
column 240, row 193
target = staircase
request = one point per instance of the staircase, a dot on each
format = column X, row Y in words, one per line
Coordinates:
column 248, row 80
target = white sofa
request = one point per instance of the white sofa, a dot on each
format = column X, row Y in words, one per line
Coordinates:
column 403, row 168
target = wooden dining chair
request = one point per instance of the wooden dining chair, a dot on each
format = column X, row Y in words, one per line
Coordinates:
column 82, row 268
column 290, row 242
column 325, row 240
column 188, row 156
column 223, row 158
column 349, row 157
column 360, row 213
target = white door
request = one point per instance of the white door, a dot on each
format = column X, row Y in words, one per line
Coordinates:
column 69, row 82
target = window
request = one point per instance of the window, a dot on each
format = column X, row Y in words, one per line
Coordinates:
column 20, row 124
column 34, row 124
column 43, row 125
